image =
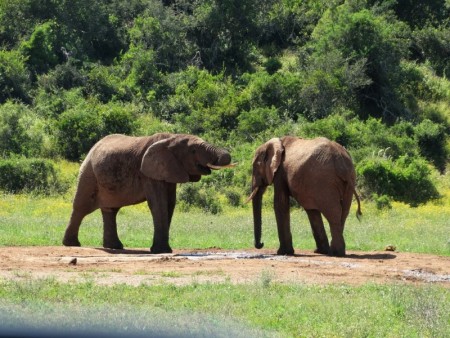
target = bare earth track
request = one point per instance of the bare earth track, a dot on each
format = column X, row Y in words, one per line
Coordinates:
column 137, row 266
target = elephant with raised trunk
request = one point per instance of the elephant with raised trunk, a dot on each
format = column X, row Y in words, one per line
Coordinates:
column 121, row 170
column 319, row 174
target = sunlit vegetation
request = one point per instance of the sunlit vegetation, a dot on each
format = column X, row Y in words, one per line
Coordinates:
column 371, row 75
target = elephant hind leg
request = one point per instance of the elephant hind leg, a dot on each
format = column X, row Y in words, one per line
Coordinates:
column 318, row 230
column 84, row 203
column 337, row 246
column 110, row 237
column 72, row 229
column 334, row 218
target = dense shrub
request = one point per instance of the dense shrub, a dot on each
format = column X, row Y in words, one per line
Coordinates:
column 254, row 122
column 432, row 44
column 118, row 118
column 62, row 76
column 14, row 76
column 376, row 42
column 200, row 103
column 104, row 83
column 80, row 127
column 281, row 90
column 21, row 131
column 41, row 49
column 432, row 143
column 193, row 195
column 406, row 179
column 24, row 175
column 364, row 137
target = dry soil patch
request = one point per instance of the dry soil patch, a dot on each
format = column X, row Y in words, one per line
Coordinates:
column 136, row 266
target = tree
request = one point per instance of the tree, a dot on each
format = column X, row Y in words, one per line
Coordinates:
column 41, row 49
column 225, row 33
column 14, row 76
column 377, row 40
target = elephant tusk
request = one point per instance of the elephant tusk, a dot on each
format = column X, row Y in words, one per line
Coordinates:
column 212, row 166
column 252, row 195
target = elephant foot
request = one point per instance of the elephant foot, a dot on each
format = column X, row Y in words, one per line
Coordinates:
column 285, row 252
column 113, row 245
column 322, row 251
column 337, row 252
column 71, row 242
column 158, row 249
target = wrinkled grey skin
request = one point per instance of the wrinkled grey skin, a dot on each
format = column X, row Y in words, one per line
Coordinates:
column 319, row 175
column 122, row 170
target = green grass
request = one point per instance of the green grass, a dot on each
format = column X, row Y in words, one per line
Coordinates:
column 260, row 309
column 263, row 308
column 27, row 220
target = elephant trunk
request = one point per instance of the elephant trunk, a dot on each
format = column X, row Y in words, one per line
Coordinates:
column 223, row 157
column 220, row 157
column 257, row 205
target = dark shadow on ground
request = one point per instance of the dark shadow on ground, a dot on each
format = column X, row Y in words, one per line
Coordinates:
column 375, row 256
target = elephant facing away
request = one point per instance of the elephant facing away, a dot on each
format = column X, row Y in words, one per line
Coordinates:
column 319, row 174
column 121, row 170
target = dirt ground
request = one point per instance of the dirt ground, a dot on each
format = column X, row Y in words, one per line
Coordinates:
column 136, row 266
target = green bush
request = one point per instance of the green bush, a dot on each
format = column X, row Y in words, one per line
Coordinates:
column 431, row 138
column 63, row 76
column 382, row 202
column 272, row 65
column 25, row 175
column 406, row 179
column 104, row 84
column 193, row 195
column 199, row 103
column 14, row 76
column 256, row 121
column 118, row 118
column 432, row 44
column 21, row 131
column 369, row 43
column 40, row 49
column 233, row 195
column 281, row 91
column 81, row 126
column 78, row 129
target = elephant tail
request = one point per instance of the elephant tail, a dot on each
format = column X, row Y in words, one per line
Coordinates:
column 358, row 212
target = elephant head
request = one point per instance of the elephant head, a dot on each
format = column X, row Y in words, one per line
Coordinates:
column 183, row 158
column 265, row 165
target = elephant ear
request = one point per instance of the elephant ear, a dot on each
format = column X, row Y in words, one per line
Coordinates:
column 274, row 153
column 159, row 163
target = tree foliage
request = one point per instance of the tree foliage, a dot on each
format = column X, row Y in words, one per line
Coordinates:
column 372, row 75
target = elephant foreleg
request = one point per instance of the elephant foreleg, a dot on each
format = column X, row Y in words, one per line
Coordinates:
column 110, row 237
column 161, row 203
column 318, row 230
column 172, row 199
column 282, row 214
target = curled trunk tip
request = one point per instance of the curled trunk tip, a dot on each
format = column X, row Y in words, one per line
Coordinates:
column 259, row 245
